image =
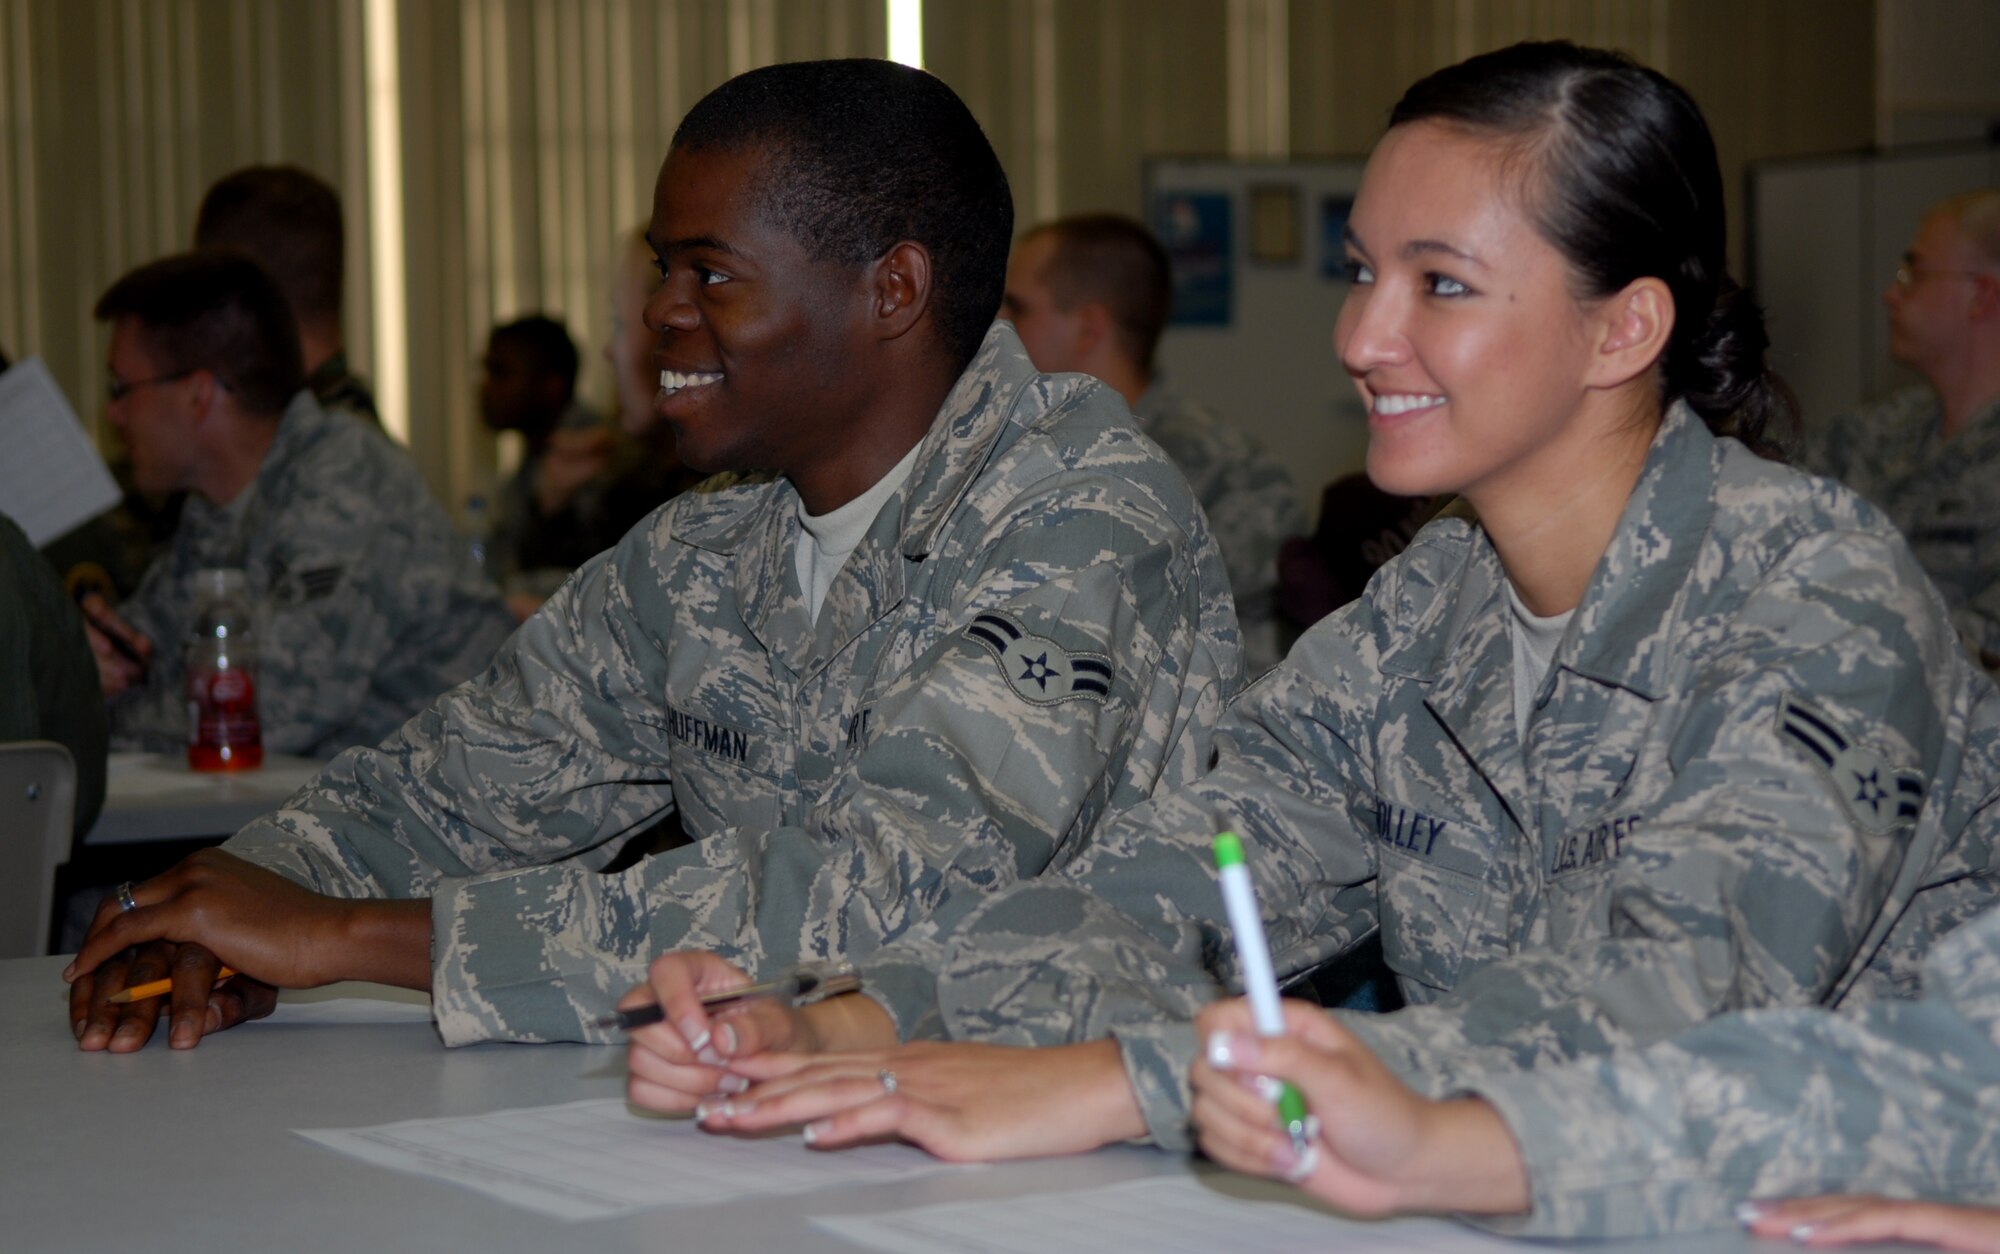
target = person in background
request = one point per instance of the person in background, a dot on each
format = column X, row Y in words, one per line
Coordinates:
column 289, row 222
column 48, row 679
column 369, row 605
column 558, row 510
column 1929, row 456
column 1091, row 294
column 1360, row 528
column 1661, row 730
column 944, row 617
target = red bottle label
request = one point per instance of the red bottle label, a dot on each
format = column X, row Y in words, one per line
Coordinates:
column 223, row 734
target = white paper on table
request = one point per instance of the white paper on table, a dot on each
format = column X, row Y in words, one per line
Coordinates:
column 597, row 1160
column 1161, row 1215
column 351, row 1003
column 51, row 479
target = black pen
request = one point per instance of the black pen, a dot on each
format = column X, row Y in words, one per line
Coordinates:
column 799, row 986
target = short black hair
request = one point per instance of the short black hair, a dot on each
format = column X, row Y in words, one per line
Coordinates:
column 1115, row 261
column 219, row 312
column 864, row 154
column 546, row 341
column 288, row 221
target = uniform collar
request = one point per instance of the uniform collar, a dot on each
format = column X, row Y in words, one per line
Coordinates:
column 1623, row 631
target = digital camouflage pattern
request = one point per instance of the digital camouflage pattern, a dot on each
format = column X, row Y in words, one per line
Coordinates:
column 1666, row 846
column 1940, row 494
column 1892, row 1097
column 368, row 603
column 1251, row 503
column 903, row 759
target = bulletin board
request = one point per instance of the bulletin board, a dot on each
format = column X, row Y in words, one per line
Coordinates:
column 1826, row 235
column 1259, row 275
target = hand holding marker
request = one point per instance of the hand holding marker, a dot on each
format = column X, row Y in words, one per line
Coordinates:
column 1253, row 955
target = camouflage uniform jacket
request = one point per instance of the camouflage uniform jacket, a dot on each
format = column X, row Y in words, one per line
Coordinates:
column 1033, row 634
column 1940, row 494
column 1251, row 503
column 1743, row 765
column 369, row 604
column 1895, row 1097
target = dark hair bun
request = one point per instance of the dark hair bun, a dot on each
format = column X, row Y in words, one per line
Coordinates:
column 1721, row 372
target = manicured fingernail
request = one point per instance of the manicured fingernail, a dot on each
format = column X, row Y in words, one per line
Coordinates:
column 69, row 973
column 1748, row 1213
column 1268, row 1088
column 733, row 1083
column 1227, row 1051
column 812, row 1132
column 707, row 1056
column 1311, row 1127
column 696, row 1034
column 1295, row 1166
column 725, row 1039
column 703, row 1110
column 1802, row 1233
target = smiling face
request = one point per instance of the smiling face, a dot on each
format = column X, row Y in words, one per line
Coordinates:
column 1461, row 332
column 761, row 348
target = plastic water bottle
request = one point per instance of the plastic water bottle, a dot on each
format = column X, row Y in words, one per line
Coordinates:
column 223, row 733
column 478, row 530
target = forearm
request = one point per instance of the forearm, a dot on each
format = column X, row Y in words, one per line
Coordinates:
column 845, row 1024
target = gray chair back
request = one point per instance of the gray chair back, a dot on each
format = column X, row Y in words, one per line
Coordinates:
column 37, row 805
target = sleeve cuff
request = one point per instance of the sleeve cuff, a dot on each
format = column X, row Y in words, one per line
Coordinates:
column 538, row 954
column 1157, row 1057
column 907, row 993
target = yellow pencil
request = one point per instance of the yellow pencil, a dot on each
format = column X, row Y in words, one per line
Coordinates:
column 158, row 987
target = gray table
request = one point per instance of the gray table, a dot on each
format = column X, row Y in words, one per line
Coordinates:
column 166, row 1150
column 155, row 797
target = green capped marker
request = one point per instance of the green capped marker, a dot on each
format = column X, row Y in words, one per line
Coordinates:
column 1253, row 955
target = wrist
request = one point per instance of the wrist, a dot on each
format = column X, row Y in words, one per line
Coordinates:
column 1468, row 1163
column 1105, row 1094
column 386, row 942
column 851, row 1021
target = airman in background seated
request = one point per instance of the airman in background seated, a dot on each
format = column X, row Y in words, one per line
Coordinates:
column 1663, row 730
column 289, row 222
column 1091, row 294
column 950, row 617
column 1929, row 456
column 561, row 507
column 369, row 604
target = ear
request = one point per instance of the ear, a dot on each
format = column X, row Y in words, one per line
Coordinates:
column 900, row 289
column 1093, row 327
column 1634, row 327
column 204, row 393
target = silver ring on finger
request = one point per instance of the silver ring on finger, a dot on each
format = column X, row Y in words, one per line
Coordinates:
column 126, row 901
column 888, row 1079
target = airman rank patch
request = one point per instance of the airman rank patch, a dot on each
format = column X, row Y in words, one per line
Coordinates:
column 299, row 586
column 1039, row 669
column 1878, row 795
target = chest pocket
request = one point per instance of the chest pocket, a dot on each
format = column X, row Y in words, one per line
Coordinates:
column 1428, row 911
column 723, row 775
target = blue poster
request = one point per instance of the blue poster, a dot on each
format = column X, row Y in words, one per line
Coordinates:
column 1194, row 228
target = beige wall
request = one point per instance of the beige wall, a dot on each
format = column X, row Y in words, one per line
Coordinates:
column 531, row 129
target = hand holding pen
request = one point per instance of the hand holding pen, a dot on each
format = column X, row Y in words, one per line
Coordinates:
column 696, row 1014
column 124, row 654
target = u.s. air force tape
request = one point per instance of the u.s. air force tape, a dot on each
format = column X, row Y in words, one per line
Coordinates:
column 1039, row 669
column 1878, row 795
